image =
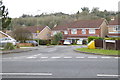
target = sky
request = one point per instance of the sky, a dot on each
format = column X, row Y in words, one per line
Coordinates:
column 18, row 7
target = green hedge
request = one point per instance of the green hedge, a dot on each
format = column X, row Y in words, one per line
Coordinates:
column 113, row 38
column 9, row 46
column 93, row 38
column 43, row 42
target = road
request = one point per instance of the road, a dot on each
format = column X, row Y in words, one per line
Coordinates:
column 58, row 62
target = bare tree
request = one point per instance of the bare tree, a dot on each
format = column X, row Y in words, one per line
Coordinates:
column 22, row 34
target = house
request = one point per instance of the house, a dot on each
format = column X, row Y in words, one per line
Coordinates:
column 114, row 28
column 3, row 35
column 82, row 29
column 40, row 32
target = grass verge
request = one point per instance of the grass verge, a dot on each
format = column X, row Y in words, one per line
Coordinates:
column 100, row 51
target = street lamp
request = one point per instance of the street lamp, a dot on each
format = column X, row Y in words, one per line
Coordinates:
column 37, row 29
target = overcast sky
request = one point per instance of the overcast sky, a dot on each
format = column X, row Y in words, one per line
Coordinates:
column 19, row 7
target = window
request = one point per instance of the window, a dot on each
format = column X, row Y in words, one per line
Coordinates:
column 65, row 32
column 74, row 31
column 55, row 32
column 83, row 31
column 91, row 31
column 117, row 28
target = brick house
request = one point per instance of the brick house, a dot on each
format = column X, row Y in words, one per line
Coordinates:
column 40, row 32
column 82, row 29
column 114, row 28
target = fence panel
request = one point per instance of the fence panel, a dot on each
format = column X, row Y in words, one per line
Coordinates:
column 98, row 43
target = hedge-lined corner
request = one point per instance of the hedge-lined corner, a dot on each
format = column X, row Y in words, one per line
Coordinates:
column 99, row 51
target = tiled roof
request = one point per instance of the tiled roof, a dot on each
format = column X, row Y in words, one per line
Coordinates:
column 34, row 29
column 80, row 24
column 115, row 22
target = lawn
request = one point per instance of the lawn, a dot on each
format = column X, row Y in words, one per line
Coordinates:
column 100, row 51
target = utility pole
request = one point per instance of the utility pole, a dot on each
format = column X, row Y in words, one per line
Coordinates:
column 37, row 28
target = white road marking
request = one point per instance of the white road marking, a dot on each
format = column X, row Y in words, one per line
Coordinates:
column 26, row 74
column 44, row 57
column 116, row 57
column 37, row 55
column 106, row 57
column 55, row 57
column 92, row 57
column 67, row 57
column 31, row 57
column 107, row 75
column 80, row 57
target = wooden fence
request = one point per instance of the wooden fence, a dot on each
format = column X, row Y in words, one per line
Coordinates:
column 108, row 44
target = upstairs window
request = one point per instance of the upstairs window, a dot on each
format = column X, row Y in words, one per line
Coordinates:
column 117, row 28
column 91, row 31
column 83, row 31
column 73, row 31
column 54, row 32
column 65, row 32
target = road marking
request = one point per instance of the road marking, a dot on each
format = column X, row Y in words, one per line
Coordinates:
column 37, row 55
column 107, row 75
column 55, row 57
column 67, row 57
column 80, row 57
column 26, row 74
column 116, row 57
column 44, row 57
column 31, row 57
column 106, row 57
column 92, row 57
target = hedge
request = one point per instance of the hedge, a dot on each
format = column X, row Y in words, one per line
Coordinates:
column 93, row 38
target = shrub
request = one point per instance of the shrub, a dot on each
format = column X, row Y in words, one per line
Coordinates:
column 57, row 38
column 9, row 46
column 47, row 44
column 84, row 42
column 43, row 42
column 93, row 38
column 113, row 38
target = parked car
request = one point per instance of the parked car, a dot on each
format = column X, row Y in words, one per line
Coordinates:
column 6, row 40
column 34, row 43
column 79, row 41
column 67, row 42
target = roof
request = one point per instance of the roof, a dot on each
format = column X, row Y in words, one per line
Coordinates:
column 115, row 22
column 80, row 24
column 4, row 34
column 34, row 29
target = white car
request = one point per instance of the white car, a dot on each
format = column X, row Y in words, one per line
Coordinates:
column 6, row 40
column 67, row 42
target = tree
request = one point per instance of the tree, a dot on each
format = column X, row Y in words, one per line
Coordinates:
column 22, row 34
column 57, row 38
column 95, row 10
column 85, row 9
column 4, row 16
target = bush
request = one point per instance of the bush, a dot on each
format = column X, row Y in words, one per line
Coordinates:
column 93, row 38
column 43, row 42
column 84, row 42
column 47, row 44
column 113, row 38
column 9, row 46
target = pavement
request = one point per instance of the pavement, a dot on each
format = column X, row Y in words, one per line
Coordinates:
column 19, row 50
column 58, row 62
